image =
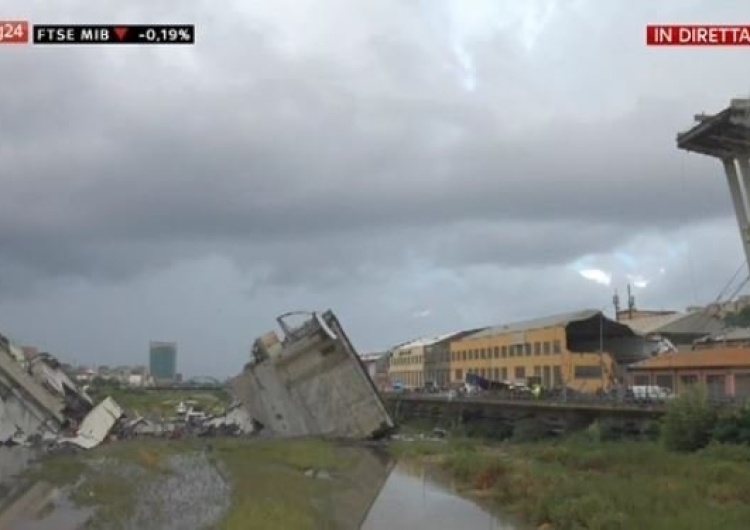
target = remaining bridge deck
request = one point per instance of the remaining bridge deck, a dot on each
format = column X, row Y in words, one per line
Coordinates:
column 597, row 406
column 503, row 413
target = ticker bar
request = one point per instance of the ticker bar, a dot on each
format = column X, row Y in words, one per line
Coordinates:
column 123, row 34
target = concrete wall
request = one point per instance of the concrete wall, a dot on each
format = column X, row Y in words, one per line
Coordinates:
column 437, row 366
column 313, row 385
column 26, row 407
column 17, row 416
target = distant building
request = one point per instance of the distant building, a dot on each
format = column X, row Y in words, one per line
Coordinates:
column 583, row 350
column 163, row 360
column 722, row 309
column 734, row 338
column 633, row 314
column 437, row 358
column 376, row 365
column 682, row 329
column 725, row 371
column 136, row 380
column 422, row 361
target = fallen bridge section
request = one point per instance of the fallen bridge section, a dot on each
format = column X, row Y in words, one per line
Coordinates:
column 37, row 399
column 311, row 382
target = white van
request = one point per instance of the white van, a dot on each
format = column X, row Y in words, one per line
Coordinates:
column 650, row 393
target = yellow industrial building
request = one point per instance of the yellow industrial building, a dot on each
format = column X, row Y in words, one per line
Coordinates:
column 585, row 351
column 419, row 362
column 407, row 366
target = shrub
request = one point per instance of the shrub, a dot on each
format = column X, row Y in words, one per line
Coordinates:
column 733, row 427
column 689, row 421
column 529, row 430
column 652, row 430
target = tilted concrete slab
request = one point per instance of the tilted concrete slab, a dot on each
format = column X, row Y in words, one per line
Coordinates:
column 311, row 382
column 18, row 382
column 36, row 396
column 97, row 425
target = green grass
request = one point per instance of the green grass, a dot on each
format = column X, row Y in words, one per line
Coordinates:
column 269, row 488
column 162, row 403
column 98, row 485
column 581, row 484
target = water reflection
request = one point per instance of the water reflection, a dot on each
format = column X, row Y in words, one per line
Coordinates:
column 40, row 506
column 13, row 460
column 377, row 494
column 415, row 498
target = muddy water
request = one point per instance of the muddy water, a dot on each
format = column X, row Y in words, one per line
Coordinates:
column 13, row 460
column 196, row 495
column 416, row 498
column 193, row 495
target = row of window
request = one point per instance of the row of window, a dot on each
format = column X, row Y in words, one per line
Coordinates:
column 412, row 379
column 548, row 374
column 514, row 350
column 407, row 360
column 715, row 383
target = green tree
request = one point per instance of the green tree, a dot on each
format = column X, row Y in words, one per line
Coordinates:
column 733, row 427
column 689, row 421
column 740, row 319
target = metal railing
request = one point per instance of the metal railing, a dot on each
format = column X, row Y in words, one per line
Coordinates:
column 562, row 399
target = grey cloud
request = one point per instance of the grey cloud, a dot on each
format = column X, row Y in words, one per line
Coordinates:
column 324, row 166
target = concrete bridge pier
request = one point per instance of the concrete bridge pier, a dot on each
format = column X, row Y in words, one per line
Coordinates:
column 726, row 136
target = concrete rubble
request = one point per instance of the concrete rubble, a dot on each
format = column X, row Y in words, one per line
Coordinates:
column 311, row 382
column 97, row 425
column 38, row 401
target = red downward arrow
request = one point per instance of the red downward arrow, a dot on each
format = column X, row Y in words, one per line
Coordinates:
column 121, row 32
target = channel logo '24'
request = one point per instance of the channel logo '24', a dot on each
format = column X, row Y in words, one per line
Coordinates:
column 14, row 32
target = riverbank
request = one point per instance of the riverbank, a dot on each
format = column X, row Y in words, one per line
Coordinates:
column 226, row 484
column 580, row 483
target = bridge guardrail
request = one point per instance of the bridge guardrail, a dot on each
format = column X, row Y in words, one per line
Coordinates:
column 561, row 400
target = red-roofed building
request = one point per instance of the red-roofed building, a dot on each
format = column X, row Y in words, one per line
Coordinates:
column 724, row 370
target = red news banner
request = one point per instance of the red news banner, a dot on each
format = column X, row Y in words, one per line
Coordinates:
column 14, row 32
column 21, row 32
column 697, row 35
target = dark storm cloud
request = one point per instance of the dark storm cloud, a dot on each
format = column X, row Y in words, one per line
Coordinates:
column 118, row 161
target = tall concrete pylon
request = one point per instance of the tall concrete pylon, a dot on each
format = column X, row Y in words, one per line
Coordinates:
column 726, row 136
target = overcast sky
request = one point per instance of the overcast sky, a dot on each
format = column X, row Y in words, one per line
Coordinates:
column 419, row 166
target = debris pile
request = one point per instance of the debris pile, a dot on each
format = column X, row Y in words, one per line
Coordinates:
column 308, row 382
column 235, row 421
column 37, row 399
column 311, row 382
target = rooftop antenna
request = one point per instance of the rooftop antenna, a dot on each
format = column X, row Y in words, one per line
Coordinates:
column 631, row 303
column 616, row 303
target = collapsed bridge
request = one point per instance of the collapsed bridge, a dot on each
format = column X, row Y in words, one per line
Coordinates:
column 311, row 381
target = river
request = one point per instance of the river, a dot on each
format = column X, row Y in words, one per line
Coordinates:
column 418, row 497
column 412, row 497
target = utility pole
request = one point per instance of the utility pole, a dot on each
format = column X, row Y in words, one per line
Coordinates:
column 631, row 303
column 616, row 303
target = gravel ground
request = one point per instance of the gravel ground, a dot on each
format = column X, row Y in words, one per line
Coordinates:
column 14, row 460
column 194, row 496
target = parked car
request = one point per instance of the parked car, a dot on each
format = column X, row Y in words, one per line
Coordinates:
column 643, row 393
